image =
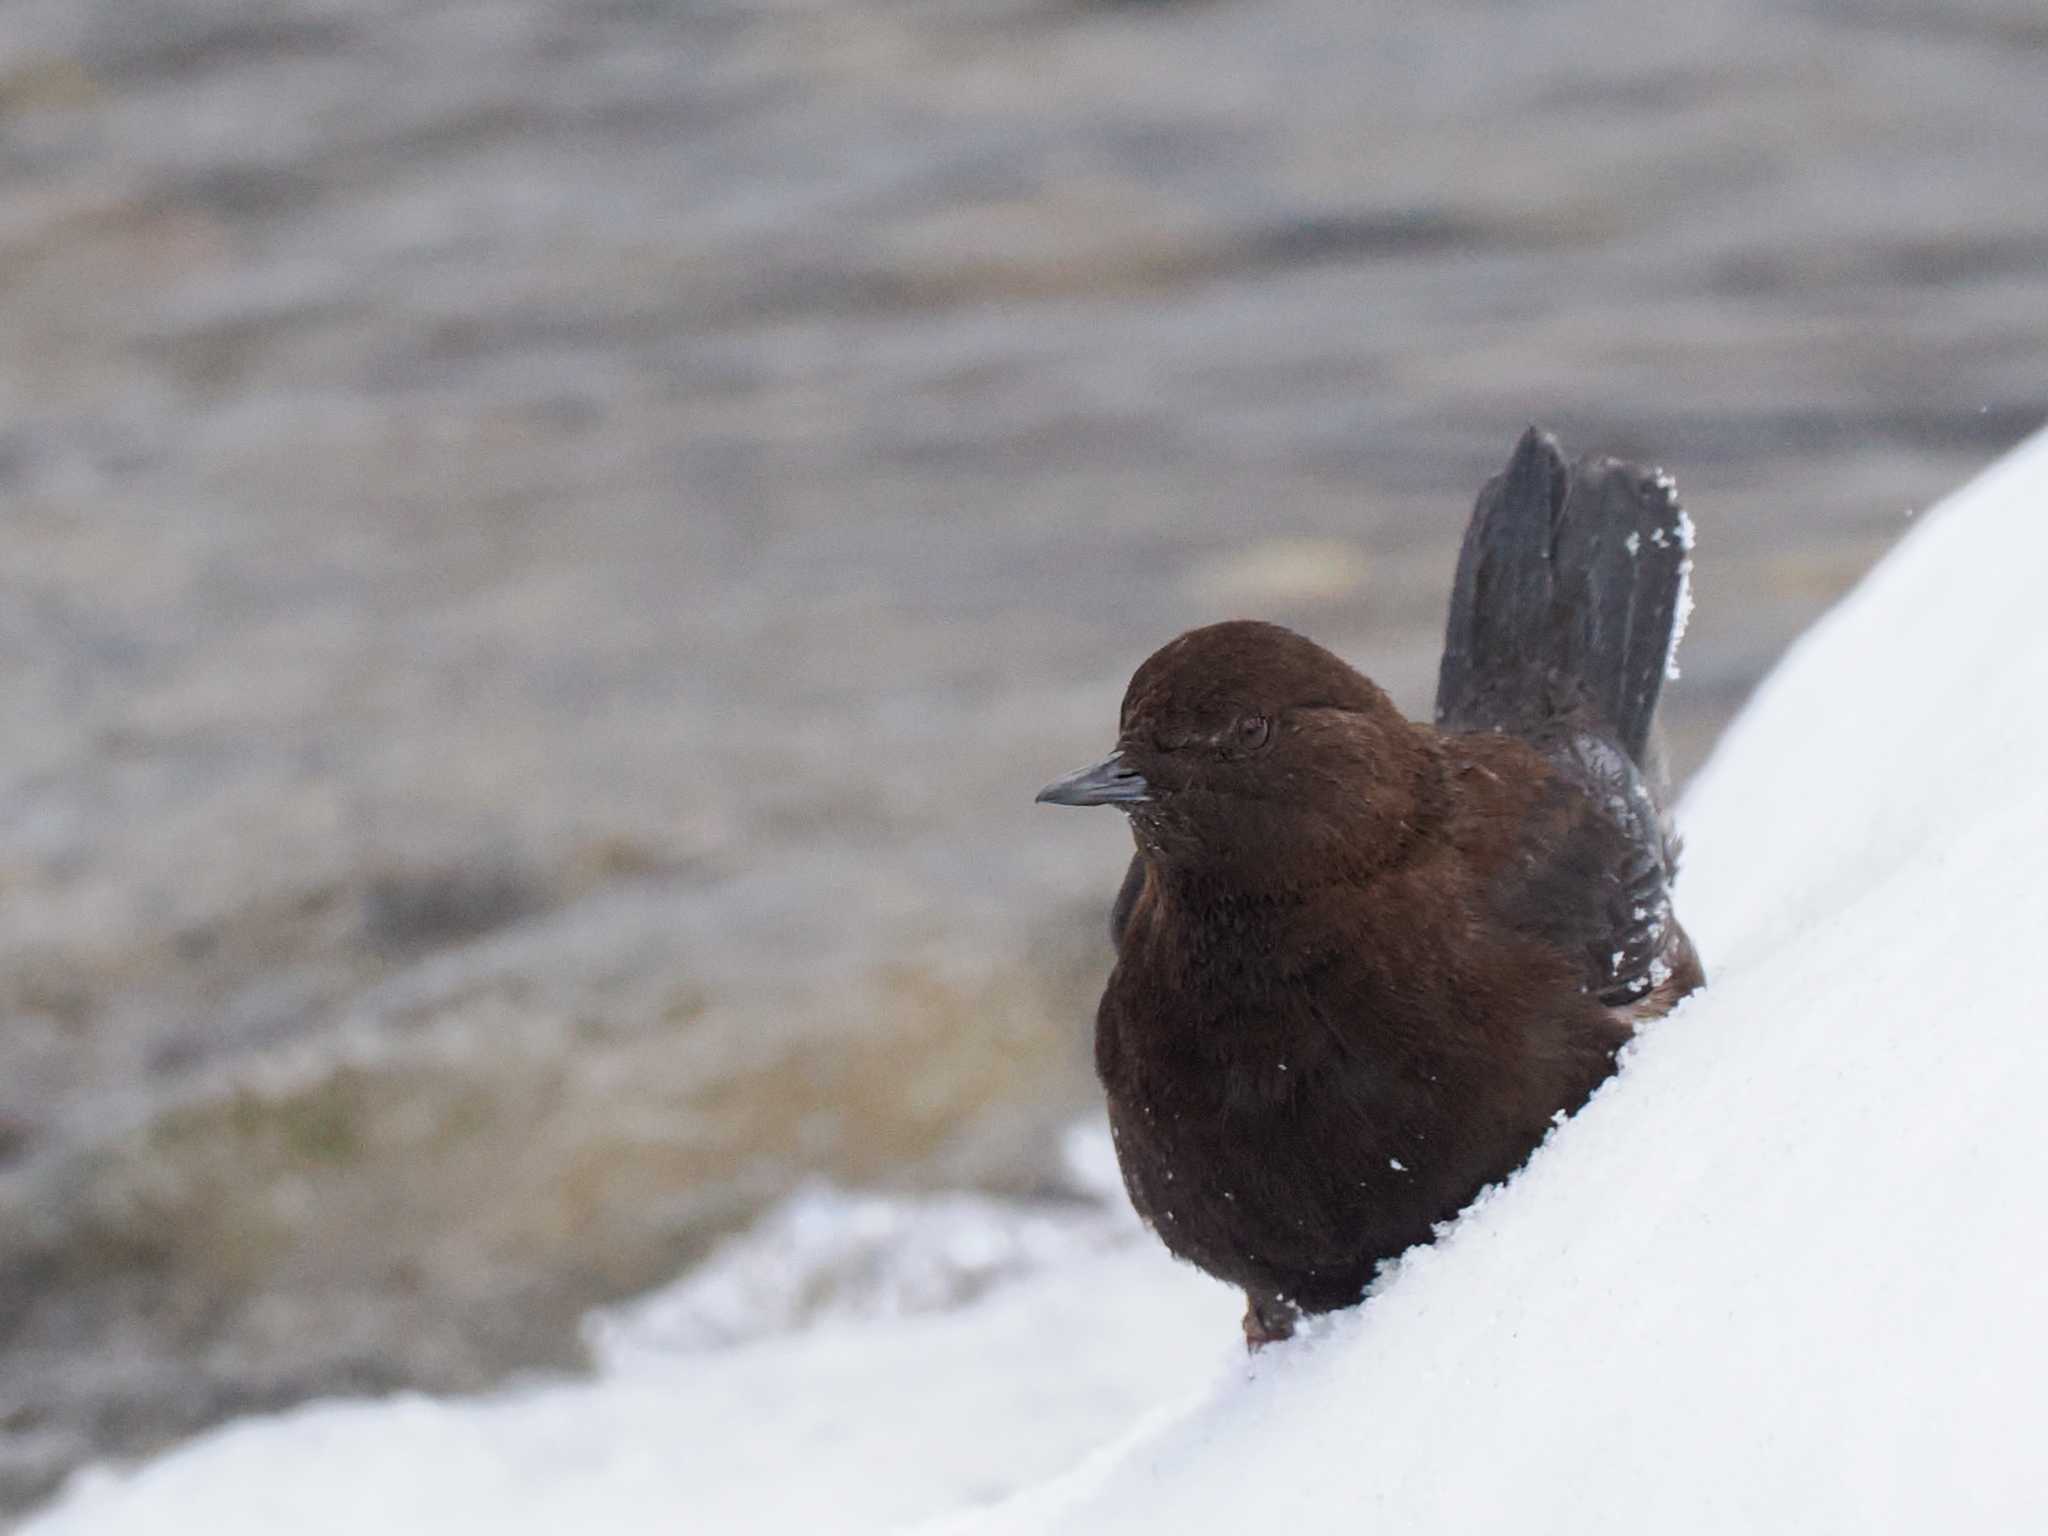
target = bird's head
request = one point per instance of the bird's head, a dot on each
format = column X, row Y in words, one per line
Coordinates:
column 1251, row 753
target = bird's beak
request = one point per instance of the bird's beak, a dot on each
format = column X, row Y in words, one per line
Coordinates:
column 1108, row 782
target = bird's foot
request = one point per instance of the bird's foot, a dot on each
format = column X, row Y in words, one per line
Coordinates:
column 1268, row 1320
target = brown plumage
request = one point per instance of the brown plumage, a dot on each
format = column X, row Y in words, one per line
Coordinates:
column 1362, row 963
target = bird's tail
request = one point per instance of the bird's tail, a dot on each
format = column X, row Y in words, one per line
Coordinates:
column 1571, row 594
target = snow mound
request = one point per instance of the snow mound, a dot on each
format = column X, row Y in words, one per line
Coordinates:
column 827, row 1257
column 1782, row 1274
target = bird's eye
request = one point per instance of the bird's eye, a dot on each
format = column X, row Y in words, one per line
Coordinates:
column 1253, row 731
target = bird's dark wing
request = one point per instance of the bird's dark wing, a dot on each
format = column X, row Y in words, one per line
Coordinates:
column 1593, row 879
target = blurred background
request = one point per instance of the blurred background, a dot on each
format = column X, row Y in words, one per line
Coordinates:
column 549, row 543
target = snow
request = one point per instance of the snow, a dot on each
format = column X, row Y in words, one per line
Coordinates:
column 1681, row 614
column 1782, row 1274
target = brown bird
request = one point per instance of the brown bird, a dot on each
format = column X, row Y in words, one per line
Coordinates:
column 1362, row 963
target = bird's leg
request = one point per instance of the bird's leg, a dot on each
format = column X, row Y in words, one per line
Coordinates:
column 1267, row 1320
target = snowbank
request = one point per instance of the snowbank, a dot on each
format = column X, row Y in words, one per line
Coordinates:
column 1785, row 1273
